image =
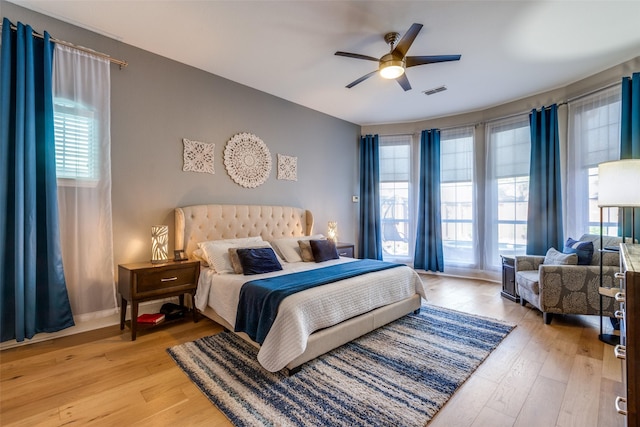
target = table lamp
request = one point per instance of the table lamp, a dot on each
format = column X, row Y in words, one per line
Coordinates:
column 332, row 231
column 159, row 244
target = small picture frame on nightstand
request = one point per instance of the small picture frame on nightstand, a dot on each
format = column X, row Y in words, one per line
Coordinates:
column 179, row 255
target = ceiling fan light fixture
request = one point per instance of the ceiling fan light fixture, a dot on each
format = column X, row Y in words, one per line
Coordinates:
column 391, row 69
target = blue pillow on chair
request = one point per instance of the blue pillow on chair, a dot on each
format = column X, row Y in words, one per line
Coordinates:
column 584, row 250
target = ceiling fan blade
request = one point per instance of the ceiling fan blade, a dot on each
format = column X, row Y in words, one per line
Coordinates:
column 412, row 61
column 407, row 40
column 357, row 56
column 361, row 79
column 404, row 82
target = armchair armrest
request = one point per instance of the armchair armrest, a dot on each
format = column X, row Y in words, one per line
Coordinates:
column 574, row 289
column 528, row 262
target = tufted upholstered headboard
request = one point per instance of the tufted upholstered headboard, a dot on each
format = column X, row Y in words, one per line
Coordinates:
column 200, row 223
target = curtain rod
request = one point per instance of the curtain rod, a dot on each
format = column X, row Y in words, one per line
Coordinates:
column 522, row 113
column 609, row 86
column 120, row 62
column 476, row 124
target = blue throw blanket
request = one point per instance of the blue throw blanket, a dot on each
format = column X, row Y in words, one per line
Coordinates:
column 260, row 299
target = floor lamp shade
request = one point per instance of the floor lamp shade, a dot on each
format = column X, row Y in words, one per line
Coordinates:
column 159, row 243
column 619, row 184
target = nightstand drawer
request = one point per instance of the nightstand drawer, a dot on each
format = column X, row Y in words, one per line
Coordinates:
column 345, row 249
column 155, row 279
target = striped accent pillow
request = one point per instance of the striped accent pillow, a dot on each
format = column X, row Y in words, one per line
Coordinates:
column 584, row 250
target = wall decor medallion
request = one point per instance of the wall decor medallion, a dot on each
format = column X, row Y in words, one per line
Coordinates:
column 287, row 167
column 198, row 156
column 247, row 159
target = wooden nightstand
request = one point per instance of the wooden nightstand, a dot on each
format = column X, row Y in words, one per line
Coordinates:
column 345, row 249
column 145, row 281
column 509, row 279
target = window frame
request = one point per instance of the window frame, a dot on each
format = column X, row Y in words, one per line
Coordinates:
column 582, row 171
column 409, row 228
column 494, row 203
column 458, row 136
column 69, row 120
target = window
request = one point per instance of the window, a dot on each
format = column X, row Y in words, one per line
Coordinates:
column 396, row 199
column 594, row 137
column 76, row 146
column 456, row 193
column 507, row 189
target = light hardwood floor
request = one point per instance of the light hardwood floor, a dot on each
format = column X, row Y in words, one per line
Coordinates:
column 540, row 375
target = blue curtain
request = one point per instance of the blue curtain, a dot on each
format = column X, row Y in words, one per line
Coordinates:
column 370, row 236
column 33, row 295
column 630, row 135
column 429, row 252
column 544, row 220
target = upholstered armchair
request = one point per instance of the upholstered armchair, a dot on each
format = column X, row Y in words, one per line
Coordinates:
column 569, row 289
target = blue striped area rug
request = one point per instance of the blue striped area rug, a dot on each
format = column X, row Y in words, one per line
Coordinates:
column 398, row 375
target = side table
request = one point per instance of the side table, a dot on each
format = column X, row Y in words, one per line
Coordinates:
column 509, row 279
column 345, row 249
column 146, row 281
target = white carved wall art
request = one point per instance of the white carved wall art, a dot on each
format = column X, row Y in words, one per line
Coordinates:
column 287, row 167
column 247, row 159
column 198, row 156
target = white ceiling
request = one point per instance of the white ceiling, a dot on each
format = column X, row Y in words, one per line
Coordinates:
column 510, row 49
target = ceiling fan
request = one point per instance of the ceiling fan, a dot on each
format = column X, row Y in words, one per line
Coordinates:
column 393, row 64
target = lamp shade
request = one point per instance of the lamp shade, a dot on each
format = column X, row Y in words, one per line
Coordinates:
column 619, row 183
column 159, row 243
column 332, row 231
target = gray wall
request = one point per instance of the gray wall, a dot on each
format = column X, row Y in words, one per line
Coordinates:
column 155, row 102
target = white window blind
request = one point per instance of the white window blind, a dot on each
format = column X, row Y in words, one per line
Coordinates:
column 457, row 201
column 510, row 147
column 595, row 122
column 394, row 159
column 594, row 137
column 75, row 136
column 396, row 197
column 507, row 189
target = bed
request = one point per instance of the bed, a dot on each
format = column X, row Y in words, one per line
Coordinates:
column 308, row 323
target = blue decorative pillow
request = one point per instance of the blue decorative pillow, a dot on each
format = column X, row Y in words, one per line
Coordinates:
column 323, row 250
column 584, row 250
column 258, row 260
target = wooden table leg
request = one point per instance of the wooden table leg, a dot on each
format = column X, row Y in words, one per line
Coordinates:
column 193, row 307
column 123, row 311
column 134, row 319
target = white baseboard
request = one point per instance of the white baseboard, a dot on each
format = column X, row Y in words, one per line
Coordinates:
column 90, row 324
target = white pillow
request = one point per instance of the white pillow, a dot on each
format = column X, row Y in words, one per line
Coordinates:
column 199, row 255
column 217, row 251
column 555, row 257
column 288, row 247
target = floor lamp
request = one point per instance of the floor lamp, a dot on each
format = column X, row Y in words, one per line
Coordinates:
column 618, row 187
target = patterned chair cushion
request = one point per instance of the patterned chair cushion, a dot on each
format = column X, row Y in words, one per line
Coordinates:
column 530, row 280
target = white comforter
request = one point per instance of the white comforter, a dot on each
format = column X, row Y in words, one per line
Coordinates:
column 301, row 314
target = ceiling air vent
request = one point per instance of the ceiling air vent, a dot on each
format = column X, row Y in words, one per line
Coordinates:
column 434, row 90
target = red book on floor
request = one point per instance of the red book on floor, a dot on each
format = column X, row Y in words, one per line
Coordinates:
column 151, row 318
